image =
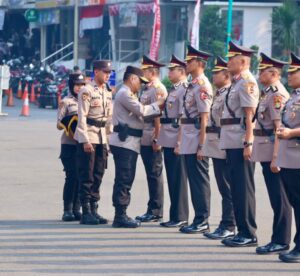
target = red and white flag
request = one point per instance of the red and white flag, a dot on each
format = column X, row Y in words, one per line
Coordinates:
column 91, row 17
column 195, row 27
column 154, row 48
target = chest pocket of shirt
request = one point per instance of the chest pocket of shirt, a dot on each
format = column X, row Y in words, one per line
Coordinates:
column 261, row 110
column 96, row 107
column 145, row 100
column 190, row 99
column 72, row 109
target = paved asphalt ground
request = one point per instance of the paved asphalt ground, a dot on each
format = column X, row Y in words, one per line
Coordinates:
column 33, row 240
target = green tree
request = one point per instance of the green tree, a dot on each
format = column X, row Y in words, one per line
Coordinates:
column 285, row 20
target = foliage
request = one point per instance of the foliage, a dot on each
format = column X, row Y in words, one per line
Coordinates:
column 285, row 31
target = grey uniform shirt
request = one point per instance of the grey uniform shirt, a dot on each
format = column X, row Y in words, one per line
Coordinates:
column 149, row 95
column 197, row 99
column 269, row 109
column 94, row 103
column 289, row 150
column 211, row 145
column 168, row 135
column 68, row 106
column 244, row 92
column 128, row 110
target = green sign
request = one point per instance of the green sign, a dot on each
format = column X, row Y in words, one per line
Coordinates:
column 32, row 15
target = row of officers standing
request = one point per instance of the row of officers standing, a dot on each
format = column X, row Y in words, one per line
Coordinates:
column 236, row 126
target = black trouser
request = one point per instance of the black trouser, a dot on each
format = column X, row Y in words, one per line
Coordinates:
column 291, row 181
column 125, row 167
column 91, row 167
column 197, row 172
column 282, row 220
column 223, row 182
column 177, row 184
column 241, row 174
column 153, row 165
column 70, row 192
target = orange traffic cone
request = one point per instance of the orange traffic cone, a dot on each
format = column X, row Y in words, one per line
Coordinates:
column 25, row 94
column 10, row 98
column 19, row 94
column 32, row 94
column 25, row 108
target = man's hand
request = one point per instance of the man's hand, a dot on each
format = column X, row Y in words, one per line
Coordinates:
column 161, row 103
column 200, row 155
column 274, row 168
column 156, row 147
column 284, row 133
column 248, row 153
column 88, row 147
column 176, row 150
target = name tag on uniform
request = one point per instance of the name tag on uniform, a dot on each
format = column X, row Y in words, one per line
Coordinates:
column 95, row 103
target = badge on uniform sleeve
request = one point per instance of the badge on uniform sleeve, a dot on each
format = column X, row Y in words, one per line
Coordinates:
column 201, row 82
column 203, row 93
column 250, row 87
column 277, row 102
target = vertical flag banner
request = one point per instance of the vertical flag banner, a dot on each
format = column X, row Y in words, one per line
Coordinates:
column 195, row 27
column 154, row 48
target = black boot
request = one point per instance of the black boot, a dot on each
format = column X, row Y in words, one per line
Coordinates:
column 94, row 208
column 68, row 214
column 76, row 210
column 121, row 220
column 87, row 217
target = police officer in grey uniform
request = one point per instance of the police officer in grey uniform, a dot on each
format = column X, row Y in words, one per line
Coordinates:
column 150, row 151
column 67, row 120
column 289, row 153
column 125, row 141
column 94, row 110
column 237, row 139
column 268, row 120
column 196, row 107
column 222, row 81
column 168, row 136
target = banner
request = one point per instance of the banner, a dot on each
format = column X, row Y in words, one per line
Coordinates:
column 140, row 8
column 195, row 28
column 154, row 48
column 90, row 18
column 127, row 15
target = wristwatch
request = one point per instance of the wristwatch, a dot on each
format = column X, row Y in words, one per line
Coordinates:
column 154, row 141
column 247, row 144
column 200, row 147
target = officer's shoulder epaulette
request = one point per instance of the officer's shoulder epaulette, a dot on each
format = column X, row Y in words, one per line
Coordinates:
column 246, row 76
column 185, row 84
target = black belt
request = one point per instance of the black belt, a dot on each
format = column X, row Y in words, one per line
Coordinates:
column 190, row 121
column 263, row 132
column 149, row 121
column 213, row 129
column 168, row 120
column 230, row 121
column 131, row 131
column 95, row 123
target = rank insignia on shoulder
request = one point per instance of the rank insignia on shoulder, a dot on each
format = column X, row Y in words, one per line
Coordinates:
column 245, row 76
column 201, row 82
column 277, row 102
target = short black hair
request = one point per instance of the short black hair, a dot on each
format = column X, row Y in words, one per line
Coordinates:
column 126, row 76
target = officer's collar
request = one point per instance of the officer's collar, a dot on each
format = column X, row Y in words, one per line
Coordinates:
column 177, row 84
column 95, row 85
column 297, row 91
column 236, row 77
column 223, row 89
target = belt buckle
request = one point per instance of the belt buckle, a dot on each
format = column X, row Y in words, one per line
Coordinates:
column 175, row 123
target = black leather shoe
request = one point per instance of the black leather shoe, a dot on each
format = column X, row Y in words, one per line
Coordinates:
column 195, row 228
column 219, row 234
column 68, row 216
column 125, row 222
column 148, row 218
column 77, row 215
column 240, row 241
column 272, row 248
column 290, row 257
column 172, row 224
column 94, row 211
column 88, row 219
